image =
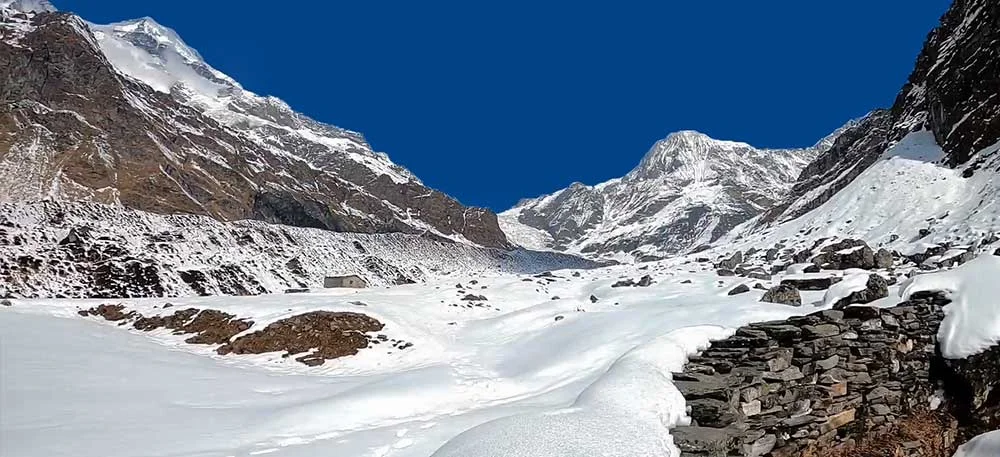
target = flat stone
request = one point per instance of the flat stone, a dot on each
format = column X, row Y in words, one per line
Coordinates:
column 838, row 389
column 877, row 393
column 760, row 447
column 705, row 440
column 751, row 408
column 837, row 420
column 789, row 374
column 712, row 412
column 798, row 420
column 881, row 410
column 820, row 331
column 829, row 362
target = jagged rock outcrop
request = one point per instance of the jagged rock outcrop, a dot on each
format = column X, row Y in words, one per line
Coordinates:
column 128, row 115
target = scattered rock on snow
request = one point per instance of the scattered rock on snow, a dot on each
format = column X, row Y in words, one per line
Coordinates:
column 740, row 289
column 821, row 283
column 785, row 294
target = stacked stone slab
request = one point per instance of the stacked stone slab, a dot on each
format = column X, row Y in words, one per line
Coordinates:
column 811, row 383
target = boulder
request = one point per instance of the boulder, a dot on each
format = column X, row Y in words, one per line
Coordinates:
column 740, row 289
column 883, row 259
column 725, row 272
column 732, row 262
column 784, row 294
column 846, row 254
column 876, row 287
column 759, row 274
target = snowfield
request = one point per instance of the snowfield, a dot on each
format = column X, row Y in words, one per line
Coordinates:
column 559, row 374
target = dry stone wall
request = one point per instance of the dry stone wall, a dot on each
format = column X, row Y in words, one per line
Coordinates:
column 830, row 381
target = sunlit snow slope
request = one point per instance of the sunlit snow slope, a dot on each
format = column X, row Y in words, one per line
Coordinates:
column 560, row 372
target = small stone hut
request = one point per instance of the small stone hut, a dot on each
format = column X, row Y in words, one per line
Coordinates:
column 353, row 281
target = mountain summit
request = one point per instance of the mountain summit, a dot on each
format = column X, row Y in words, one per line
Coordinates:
column 128, row 114
column 687, row 191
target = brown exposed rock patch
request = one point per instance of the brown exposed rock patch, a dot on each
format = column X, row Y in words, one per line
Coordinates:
column 208, row 326
column 328, row 334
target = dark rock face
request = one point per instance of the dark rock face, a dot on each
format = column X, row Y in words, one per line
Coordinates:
column 842, row 383
column 812, row 283
column 740, row 289
column 876, row 287
column 113, row 139
column 328, row 335
column 784, row 294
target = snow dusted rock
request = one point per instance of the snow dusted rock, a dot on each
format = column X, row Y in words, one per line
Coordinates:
column 846, row 254
column 127, row 114
column 812, row 282
column 91, row 250
column 856, row 289
column 785, row 294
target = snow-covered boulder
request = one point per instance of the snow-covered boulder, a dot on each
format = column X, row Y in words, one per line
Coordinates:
column 856, row 289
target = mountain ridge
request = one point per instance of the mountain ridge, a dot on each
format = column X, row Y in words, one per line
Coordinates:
column 687, row 191
column 140, row 125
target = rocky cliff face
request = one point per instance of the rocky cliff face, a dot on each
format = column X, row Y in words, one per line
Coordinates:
column 688, row 191
column 952, row 93
column 127, row 114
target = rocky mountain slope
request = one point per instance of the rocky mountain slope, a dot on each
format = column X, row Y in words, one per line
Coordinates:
column 925, row 166
column 81, row 250
column 128, row 114
column 951, row 94
column 688, row 191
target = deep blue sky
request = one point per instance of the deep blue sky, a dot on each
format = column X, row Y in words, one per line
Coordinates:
column 494, row 101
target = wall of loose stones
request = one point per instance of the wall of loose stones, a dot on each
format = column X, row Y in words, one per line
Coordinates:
column 827, row 380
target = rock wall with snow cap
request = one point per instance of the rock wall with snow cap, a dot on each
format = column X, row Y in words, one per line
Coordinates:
column 835, row 381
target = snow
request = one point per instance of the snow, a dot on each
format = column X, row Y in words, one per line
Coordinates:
column 850, row 284
column 596, row 381
column 972, row 320
column 888, row 205
column 524, row 235
column 985, row 445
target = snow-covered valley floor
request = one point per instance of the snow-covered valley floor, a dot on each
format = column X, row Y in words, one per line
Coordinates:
column 528, row 374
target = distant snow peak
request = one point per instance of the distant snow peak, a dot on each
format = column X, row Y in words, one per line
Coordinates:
column 688, row 190
column 28, row 6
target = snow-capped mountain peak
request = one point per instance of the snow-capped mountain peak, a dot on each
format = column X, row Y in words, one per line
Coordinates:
column 28, row 6
column 684, row 149
column 688, row 190
column 156, row 55
column 154, row 37
column 153, row 127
